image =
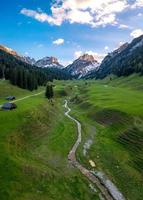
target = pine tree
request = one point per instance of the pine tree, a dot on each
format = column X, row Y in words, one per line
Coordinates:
column 3, row 72
column 49, row 92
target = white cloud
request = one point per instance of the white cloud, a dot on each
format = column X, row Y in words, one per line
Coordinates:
column 65, row 62
column 140, row 14
column 77, row 54
column 137, row 4
column 120, row 43
column 59, row 41
column 94, row 13
column 41, row 17
column 26, row 53
column 106, row 48
column 77, row 16
column 136, row 33
column 123, row 26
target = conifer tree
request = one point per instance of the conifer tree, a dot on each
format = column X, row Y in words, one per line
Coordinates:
column 49, row 91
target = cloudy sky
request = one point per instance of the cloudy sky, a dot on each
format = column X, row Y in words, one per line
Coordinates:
column 68, row 28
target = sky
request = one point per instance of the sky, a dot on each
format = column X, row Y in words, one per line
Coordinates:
column 67, row 29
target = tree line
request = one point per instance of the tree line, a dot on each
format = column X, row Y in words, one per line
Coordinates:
column 25, row 75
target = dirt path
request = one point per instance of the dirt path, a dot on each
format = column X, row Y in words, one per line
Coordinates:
column 109, row 193
column 23, row 98
column 27, row 97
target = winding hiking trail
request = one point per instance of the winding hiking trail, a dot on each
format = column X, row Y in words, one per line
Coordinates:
column 26, row 97
column 107, row 188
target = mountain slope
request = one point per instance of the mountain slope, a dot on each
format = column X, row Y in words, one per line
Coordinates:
column 25, row 59
column 25, row 75
column 124, row 61
column 8, row 50
column 82, row 66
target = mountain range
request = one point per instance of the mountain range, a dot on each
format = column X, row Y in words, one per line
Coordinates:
column 46, row 62
column 123, row 61
column 23, row 72
column 79, row 68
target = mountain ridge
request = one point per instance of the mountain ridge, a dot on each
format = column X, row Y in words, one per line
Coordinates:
column 43, row 62
column 49, row 62
column 25, row 75
column 81, row 66
column 124, row 61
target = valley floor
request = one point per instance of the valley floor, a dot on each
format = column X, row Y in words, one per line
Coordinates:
column 111, row 114
column 34, row 143
column 36, row 138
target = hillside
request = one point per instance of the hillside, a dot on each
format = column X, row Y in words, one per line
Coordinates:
column 36, row 139
column 111, row 114
column 25, row 75
column 34, row 142
column 122, row 62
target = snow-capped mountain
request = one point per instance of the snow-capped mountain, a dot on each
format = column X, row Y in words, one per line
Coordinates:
column 50, row 62
column 28, row 60
column 80, row 67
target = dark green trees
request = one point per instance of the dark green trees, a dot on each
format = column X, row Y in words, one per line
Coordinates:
column 49, row 91
column 27, row 76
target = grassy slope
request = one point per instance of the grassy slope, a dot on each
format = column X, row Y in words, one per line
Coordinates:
column 7, row 89
column 115, row 108
column 36, row 138
column 34, row 142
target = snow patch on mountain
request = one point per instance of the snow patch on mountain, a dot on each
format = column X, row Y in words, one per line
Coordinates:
column 82, row 66
column 50, row 62
column 28, row 60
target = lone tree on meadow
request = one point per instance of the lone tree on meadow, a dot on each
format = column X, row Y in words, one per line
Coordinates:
column 49, row 91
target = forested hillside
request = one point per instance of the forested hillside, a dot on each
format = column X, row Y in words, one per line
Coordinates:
column 124, row 61
column 25, row 75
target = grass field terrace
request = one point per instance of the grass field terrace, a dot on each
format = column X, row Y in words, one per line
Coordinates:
column 111, row 113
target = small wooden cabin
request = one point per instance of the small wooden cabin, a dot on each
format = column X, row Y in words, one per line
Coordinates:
column 9, row 106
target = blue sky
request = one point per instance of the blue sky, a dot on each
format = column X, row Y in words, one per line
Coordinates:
column 68, row 28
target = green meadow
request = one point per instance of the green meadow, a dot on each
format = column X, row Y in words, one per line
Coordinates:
column 34, row 143
column 111, row 114
column 36, row 137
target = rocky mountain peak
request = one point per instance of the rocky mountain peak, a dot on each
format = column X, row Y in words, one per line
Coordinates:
column 28, row 60
column 8, row 50
column 48, row 62
column 87, row 57
column 53, row 59
column 80, row 67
